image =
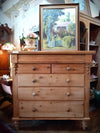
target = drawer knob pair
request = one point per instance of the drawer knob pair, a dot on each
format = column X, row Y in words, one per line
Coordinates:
column 34, row 68
column 33, row 94
column 68, row 93
column 67, row 80
column 68, row 68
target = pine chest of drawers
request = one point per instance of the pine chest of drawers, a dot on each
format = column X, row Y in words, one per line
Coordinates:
column 51, row 85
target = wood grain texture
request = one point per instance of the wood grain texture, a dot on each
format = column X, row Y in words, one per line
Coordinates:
column 68, row 68
column 50, row 118
column 15, row 95
column 4, row 62
column 51, row 93
column 33, row 68
column 3, row 72
column 70, row 52
column 50, row 59
column 51, row 80
column 50, row 109
column 87, row 89
column 53, row 59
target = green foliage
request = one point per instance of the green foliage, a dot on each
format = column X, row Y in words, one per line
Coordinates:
column 57, row 43
column 68, row 16
column 68, row 40
column 50, row 16
column 45, row 45
column 62, row 33
column 72, row 28
column 22, row 42
column 60, row 44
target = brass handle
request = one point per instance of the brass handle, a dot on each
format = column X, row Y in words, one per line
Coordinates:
column 67, row 80
column 33, row 94
column 34, row 80
column 34, row 68
column 68, row 93
column 68, row 68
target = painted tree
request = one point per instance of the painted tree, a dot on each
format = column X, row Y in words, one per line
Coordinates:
column 72, row 28
column 50, row 16
column 68, row 17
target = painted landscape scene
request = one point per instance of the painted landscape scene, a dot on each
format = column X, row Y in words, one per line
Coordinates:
column 59, row 28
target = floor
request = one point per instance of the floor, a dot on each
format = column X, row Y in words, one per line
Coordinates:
column 66, row 126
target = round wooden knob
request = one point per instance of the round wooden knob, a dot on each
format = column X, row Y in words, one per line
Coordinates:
column 34, row 109
column 33, row 94
column 34, row 80
column 34, row 68
column 68, row 93
column 68, row 80
column 68, row 68
column 68, row 110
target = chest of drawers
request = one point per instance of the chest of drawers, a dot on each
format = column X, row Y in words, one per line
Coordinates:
column 51, row 85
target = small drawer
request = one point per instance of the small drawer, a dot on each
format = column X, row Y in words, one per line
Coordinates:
column 51, row 109
column 33, row 68
column 68, row 68
column 51, row 80
column 51, row 93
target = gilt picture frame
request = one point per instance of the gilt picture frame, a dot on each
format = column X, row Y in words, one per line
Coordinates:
column 59, row 27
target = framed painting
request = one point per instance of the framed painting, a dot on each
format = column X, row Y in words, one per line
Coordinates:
column 59, row 27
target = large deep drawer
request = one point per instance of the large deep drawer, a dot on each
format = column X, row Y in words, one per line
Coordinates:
column 51, row 109
column 51, row 80
column 51, row 93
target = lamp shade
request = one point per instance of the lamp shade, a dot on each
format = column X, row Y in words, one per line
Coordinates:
column 8, row 46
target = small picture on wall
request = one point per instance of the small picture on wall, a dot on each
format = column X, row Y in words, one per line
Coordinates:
column 59, row 27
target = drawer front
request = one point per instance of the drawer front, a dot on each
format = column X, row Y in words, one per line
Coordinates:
column 51, row 93
column 50, row 109
column 51, row 80
column 68, row 68
column 53, row 58
column 33, row 68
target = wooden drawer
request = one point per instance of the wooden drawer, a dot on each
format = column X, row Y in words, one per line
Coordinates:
column 53, row 58
column 33, row 68
column 51, row 80
column 51, row 93
column 68, row 68
column 51, row 109
column 3, row 72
